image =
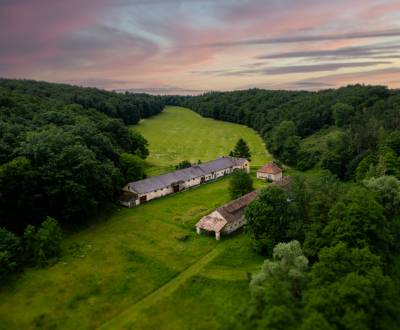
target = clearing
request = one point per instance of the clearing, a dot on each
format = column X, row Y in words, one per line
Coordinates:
column 146, row 268
column 181, row 134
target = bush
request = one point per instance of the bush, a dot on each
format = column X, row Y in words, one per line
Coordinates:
column 10, row 253
column 42, row 244
column 241, row 183
column 183, row 164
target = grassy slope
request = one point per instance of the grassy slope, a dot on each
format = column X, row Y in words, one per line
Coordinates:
column 178, row 134
column 133, row 269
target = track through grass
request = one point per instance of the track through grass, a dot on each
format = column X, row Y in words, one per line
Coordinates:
column 127, row 317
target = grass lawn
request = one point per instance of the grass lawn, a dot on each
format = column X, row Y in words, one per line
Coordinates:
column 143, row 268
column 180, row 134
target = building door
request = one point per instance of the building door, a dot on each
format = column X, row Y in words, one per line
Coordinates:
column 203, row 179
column 176, row 188
column 143, row 199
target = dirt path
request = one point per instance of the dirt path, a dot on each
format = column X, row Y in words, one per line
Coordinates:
column 125, row 319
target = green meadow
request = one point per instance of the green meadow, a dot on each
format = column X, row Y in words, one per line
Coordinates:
column 146, row 268
column 180, row 134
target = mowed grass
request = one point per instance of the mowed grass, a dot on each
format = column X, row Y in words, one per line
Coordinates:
column 141, row 268
column 180, row 134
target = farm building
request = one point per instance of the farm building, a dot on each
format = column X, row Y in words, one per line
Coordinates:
column 155, row 187
column 228, row 218
column 270, row 171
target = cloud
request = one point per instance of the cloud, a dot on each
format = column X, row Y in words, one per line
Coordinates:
column 190, row 43
column 308, row 38
column 283, row 70
column 374, row 77
column 347, row 52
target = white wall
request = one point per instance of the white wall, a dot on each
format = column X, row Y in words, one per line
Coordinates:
column 192, row 183
column 273, row 177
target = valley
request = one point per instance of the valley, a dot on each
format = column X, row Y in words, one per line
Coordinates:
column 142, row 267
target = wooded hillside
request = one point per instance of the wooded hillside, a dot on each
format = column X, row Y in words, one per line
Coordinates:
column 65, row 150
column 367, row 119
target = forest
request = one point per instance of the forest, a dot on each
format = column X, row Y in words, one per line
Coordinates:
column 365, row 119
column 331, row 240
column 65, row 152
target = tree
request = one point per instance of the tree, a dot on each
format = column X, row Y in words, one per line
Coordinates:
column 138, row 144
column 388, row 163
column 240, row 184
column 365, row 167
column 10, row 254
column 43, row 243
column 358, row 220
column 132, row 166
column 277, row 289
column 387, row 189
column 19, row 186
column 342, row 114
column 348, row 289
column 183, row 164
column 241, row 150
column 268, row 219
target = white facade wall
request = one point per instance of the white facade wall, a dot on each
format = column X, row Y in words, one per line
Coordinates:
column 273, row 177
column 246, row 167
column 190, row 183
column 157, row 193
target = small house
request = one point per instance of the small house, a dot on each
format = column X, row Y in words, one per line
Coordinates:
column 227, row 218
column 270, row 171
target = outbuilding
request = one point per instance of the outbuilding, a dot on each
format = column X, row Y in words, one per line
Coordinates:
column 270, row 171
column 227, row 218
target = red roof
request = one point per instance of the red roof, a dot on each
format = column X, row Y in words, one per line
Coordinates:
column 270, row 168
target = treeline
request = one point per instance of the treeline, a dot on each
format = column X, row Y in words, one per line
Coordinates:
column 126, row 106
column 65, row 150
column 334, row 255
column 367, row 120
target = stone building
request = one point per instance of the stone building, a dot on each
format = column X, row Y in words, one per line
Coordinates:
column 155, row 187
column 228, row 218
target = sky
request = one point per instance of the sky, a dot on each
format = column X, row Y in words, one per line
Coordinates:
column 193, row 46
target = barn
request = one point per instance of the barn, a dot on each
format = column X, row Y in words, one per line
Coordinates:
column 227, row 218
column 158, row 186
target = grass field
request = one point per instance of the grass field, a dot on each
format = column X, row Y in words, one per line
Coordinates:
column 144, row 268
column 180, row 134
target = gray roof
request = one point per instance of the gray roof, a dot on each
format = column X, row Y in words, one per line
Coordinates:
column 195, row 171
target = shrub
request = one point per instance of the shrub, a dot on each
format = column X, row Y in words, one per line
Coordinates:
column 10, row 253
column 241, row 183
column 42, row 244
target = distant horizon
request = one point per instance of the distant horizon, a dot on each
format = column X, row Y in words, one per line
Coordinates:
column 183, row 92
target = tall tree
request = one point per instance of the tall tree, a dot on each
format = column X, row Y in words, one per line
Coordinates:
column 241, row 150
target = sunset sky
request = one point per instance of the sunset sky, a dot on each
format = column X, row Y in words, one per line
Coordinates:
column 191, row 46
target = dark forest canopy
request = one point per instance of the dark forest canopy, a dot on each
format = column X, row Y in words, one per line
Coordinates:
column 366, row 120
column 65, row 150
column 126, row 106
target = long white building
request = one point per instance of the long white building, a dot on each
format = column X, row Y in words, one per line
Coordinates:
column 142, row 191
